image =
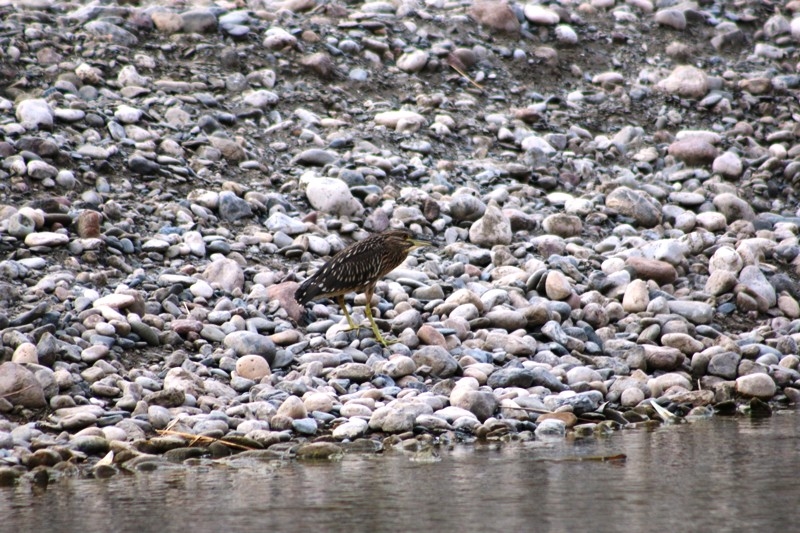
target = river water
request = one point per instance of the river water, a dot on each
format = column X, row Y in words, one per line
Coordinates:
column 718, row 475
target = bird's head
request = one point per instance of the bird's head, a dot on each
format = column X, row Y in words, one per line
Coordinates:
column 407, row 240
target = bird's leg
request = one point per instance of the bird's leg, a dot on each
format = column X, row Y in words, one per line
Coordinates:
column 350, row 321
column 352, row 324
column 375, row 330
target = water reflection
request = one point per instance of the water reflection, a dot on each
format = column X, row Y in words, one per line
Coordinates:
column 723, row 474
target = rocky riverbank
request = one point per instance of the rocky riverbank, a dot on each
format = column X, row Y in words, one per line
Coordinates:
column 611, row 186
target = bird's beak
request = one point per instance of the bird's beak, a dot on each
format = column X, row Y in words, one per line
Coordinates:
column 420, row 241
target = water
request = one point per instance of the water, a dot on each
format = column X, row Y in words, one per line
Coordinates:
column 721, row 475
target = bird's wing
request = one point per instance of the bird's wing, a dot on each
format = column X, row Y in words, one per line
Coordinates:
column 349, row 270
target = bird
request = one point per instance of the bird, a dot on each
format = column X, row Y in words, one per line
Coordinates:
column 358, row 268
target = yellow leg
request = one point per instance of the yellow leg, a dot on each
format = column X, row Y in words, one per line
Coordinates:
column 350, row 320
column 352, row 324
column 375, row 330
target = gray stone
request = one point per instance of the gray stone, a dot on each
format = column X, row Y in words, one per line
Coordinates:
column 46, row 238
column 551, row 428
column 696, row 312
column 262, row 99
column 358, row 372
column 232, row 208
column 544, row 378
column 166, row 398
column 108, row 31
column 686, row 81
column 315, row 157
column 582, row 374
column 563, row 225
column 724, row 365
column 663, row 357
column 251, row 343
column 293, row 407
column 491, row 229
column 640, row 206
column 225, row 274
column 283, row 222
column 352, row 429
column 305, row 426
column 510, row 377
column 672, row 18
column 199, row 21
column 442, row 364
column 728, row 164
column 733, row 207
column 582, row 402
column 20, row 225
column 466, row 207
column 413, row 61
column 755, row 280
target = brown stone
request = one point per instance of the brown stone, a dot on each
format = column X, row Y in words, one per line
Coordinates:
column 659, row 271
column 320, row 64
column 495, row 14
column 88, row 224
column 284, row 294
column 693, row 151
column 568, row 418
column 430, row 335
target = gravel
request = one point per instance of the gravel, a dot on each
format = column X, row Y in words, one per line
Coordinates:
column 610, row 186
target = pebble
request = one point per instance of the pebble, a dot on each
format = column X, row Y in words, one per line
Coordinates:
column 351, row 430
column 756, row 385
column 232, row 208
column 25, row 353
column 332, row 195
column 495, row 14
column 253, row 367
column 537, row 14
column 46, row 238
column 413, row 61
column 638, row 205
column 685, row 81
column 19, row 386
column 693, row 151
column 466, row 207
column 557, row 286
column 35, row 113
column 728, row 164
column 672, row 18
column 251, row 343
column 491, row 229
column 400, row 120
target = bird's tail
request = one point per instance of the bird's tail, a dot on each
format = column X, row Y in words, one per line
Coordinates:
column 303, row 295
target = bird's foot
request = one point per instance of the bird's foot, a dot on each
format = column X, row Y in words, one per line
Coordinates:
column 380, row 339
column 355, row 327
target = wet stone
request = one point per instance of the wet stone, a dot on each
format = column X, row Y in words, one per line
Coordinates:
column 756, row 385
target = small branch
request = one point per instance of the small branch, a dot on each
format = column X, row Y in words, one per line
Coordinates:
column 464, row 74
column 201, row 438
column 12, row 393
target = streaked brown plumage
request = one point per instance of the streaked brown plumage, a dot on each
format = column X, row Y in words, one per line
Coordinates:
column 358, row 268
